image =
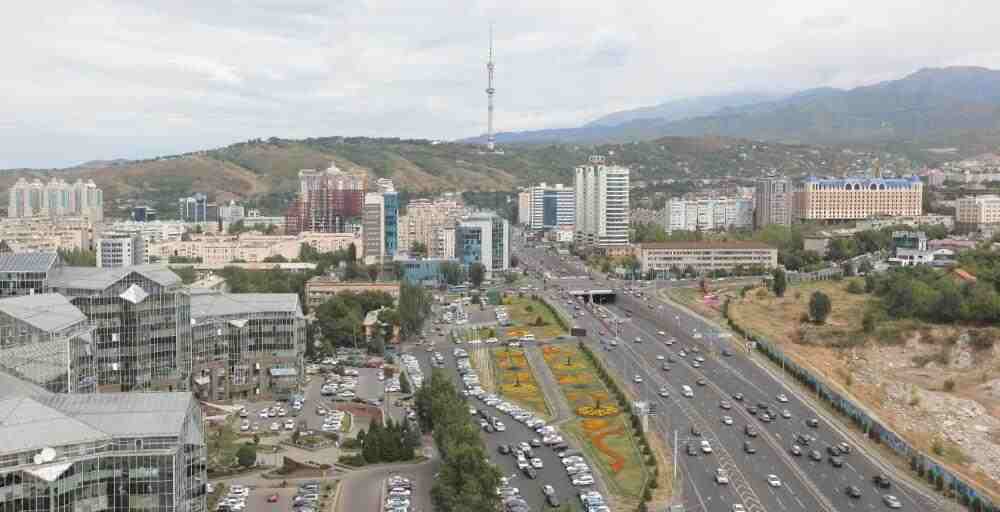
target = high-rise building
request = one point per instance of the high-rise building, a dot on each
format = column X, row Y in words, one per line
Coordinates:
column 231, row 213
column 977, row 210
column 773, row 202
column 484, row 238
column 56, row 198
column 390, row 217
column 327, row 201
column 858, row 198
column 143, row 214
column 373, row 228
column 707, row 214
column 602, row 204
column 193, row 208
column 121, row 251
column 424, row 221
column 551, row 207
column 524, row 207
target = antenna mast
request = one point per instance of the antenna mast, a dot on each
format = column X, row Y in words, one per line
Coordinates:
column 490, row 139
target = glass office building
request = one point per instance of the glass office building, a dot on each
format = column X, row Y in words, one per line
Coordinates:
column 484, row 238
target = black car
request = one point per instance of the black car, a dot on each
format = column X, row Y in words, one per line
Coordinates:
column 666, row 367
column 803, row 440
column 837, row 462
column 832, row 451
column 815, row 455
column 750, row 431
column 695, row 432
column 738, row 397
column 881, row 481
column 726, row 352
column 558, row 447
column 747, row 447
column 813, row 422
column 552, row 500
column 530, row 473
column 752, row 410
column 762, row 406
column 691, row 450
column 503, row 449
column 852, row 491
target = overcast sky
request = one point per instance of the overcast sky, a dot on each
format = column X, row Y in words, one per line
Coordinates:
column 117, row 79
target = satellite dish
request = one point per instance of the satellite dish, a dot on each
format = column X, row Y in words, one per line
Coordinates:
column 47, row 455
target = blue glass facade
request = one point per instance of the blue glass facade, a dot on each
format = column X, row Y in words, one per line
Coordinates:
column 391, row 231
column 550, row 209
column 421, row 271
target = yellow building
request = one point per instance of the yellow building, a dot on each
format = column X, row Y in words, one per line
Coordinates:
column 705, row 256
column 977, row 210
column 858, row 198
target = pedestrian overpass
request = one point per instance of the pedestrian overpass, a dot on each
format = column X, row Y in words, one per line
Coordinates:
column 597, row 296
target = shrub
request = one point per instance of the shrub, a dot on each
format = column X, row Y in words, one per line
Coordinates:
column 855, row 287
column 949, row 385
column 819, row 307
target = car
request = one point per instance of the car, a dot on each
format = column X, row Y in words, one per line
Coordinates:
column 852, row 491
column 773, row 481
column 738, row 397
column 726, row 352
column 813, row 422
column 695, row 364
column 665, row 367
column 752, row 409
column 795, row 450
column 782, row 398
column 503, row 449
column 701, row 382
column 706, row 447
column 844, row 448
column 637, row 379
column 552, row 500
column 748, row 447
column 500, row 427
column 695, row 432
column 815, row 455
column 670, row 359
column 275, row 427
column 530, row 473
column 523, row 463
column 785, row 413
column 727, row 420
column 660, row 357
column 721, row 477
column 837, row 462
column 682, row 353
column 738, row 508
column 548, row 490
column 489, row 429
column 661, row 333
column 584, row 479
column 691, row 450
column 638, row 339
column 664, row 392
column 750, row 431
column 881, row 481
column 892, row 501
column 535, row 443
column 765, row 417
column 536, row 463
column 272, row 498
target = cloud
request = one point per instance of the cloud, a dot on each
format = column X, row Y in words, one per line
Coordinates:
column 137, row 78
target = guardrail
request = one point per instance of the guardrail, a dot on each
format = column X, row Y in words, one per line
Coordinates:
column 922, row 464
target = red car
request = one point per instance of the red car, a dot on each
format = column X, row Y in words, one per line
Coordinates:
column 272, row 498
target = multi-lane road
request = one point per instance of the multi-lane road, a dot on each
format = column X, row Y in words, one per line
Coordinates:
column 805, row 484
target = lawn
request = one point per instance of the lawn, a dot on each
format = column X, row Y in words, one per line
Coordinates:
column 601, row 423
column 529, row 315
column 515, row 380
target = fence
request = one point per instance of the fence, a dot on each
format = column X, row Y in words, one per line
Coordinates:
column 921, row 463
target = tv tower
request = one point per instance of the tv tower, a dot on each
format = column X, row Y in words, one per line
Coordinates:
column 490, row 139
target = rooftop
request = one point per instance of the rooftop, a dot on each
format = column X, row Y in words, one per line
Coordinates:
column 93, row 278
column 49, row 312
column 736, row 244
column 228, row 304
column 28, row 261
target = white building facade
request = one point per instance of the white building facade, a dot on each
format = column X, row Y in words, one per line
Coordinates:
column 602, row 204
column 707, row 214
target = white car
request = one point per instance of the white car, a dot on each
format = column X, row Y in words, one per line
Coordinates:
column 585, row 479
column 661, row 333
column 664, row 392
column 782, row 398
column 637, row 379
column 727, row 420
column 275, row 427
column 660, row 357
column 705, row 446
column 773, row 481
column 536, row 463
column 721, row 477
column 738, row 508
column 500, row 427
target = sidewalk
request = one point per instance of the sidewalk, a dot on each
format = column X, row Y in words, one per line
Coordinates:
column 558, row 405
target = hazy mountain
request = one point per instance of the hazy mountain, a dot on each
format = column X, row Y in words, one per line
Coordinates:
column 683, row 108
column 928, row 106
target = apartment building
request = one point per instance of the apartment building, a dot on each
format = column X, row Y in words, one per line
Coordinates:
column 858, row 198
column 135, row 451
column 46, row 340
column 152, row 232
column 707, row 214
column 705, row 256
column 483, row 238
column 251, row 247
column 602, row 204
column 47, row 234
column 550, row 206
column 143, row 319
column 773, row 202
column 320, row 289
column 121, row 251
column 55, row 198
column 380, row 223
column 524, row 207
column 982, row 210
column 328, row 201
column 247, row 345
column 425, row 221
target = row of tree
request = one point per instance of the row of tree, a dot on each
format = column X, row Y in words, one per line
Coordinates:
column 467, row 481
column 393, row 442
column 935, row 296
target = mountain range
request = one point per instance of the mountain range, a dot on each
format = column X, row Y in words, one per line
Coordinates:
column 932, row 106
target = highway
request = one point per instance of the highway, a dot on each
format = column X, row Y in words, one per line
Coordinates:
column 806, row 484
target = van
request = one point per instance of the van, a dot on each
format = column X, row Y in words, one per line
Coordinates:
column 686, row 391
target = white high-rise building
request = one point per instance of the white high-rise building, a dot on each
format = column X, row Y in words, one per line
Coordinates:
column 551, row 206
column 121, row 251
column 483, row 238
column 373, row 228
column 524, row 207
column 55, row 198
column 707, row 214
column 602, row 204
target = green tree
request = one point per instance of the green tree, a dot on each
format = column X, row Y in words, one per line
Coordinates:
column 514, row 261
column 418, row 249
column 275, row 258
column 246, row 455
column 477, row 274
column 865, row 267
column 452, row 273
column 780, row 283
column 414, row 308
column 404, row 384
column 187, row 274
column 819, row 307
column 78, row 257
column 237, row 228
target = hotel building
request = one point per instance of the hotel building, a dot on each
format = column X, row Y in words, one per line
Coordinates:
column 858, row 198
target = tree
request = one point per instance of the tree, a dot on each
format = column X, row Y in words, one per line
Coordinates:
column 246, row 455
column 187, row 274
column 418, row 249
column 452, row 273
column 414, row 308
column 237, row 228
column 275, row 258
column 514, row 260
column 780, row 283
column 373, row 271
column 477, row 273
column 819, row 307
column 404, row 384
column 865, row 267
column 78, row 257
column 352, row 253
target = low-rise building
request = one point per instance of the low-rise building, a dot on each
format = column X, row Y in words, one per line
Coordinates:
column 49, row 235
column 323, row 288
column 247, row 345
column 976, row 211
column 705, row 256
column 121, row 251
column 25, row 273
column 425, row 271
column 253, row 247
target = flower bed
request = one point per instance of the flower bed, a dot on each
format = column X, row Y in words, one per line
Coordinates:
column 515, row 380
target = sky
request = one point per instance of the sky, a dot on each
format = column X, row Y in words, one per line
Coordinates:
column 135, row 79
